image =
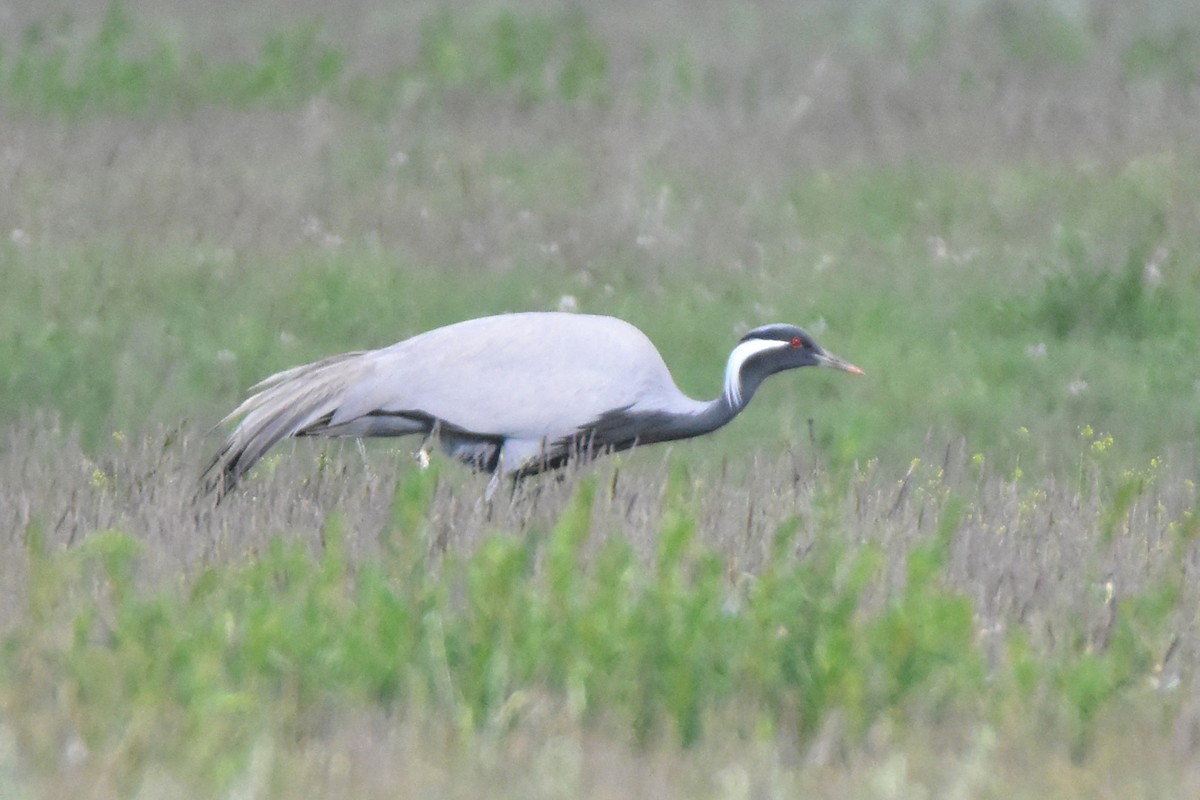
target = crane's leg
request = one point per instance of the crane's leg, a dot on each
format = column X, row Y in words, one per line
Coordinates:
column 508, row 455
column 431, row 436
column 422, row 454
column 493, row 485
column 513, row 455
column 362, row 451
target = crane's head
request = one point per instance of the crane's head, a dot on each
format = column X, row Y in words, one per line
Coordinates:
column 774, row 348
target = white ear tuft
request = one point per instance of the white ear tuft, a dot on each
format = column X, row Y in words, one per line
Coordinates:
column 737, row 359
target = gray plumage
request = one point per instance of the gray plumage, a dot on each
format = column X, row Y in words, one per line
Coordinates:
column 513, row 394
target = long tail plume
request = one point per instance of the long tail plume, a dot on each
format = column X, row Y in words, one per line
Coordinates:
column 290, row 403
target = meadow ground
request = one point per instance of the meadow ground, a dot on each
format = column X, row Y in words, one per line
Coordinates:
column 972, row 573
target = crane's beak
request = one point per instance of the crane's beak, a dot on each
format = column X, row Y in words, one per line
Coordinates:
column 830, row 360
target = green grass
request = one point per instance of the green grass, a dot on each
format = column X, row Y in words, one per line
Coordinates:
column 971, row 319
column 124, row 63
column 116, row 71
column 660, row 632
column 126, row 66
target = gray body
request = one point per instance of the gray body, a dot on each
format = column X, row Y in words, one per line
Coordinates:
column 514, row 393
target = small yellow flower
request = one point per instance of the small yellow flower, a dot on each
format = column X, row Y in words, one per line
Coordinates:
column 99, row 479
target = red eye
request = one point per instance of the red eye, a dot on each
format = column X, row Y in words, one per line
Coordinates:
column 796, row 342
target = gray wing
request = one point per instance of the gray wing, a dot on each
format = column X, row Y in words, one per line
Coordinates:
column 532, row 377
column 517, row 375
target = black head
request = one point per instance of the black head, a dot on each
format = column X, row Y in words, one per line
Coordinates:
column 774, row 348
column 798, row 340
column 798, row 349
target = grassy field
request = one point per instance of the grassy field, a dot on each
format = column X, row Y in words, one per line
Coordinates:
column 971, row 574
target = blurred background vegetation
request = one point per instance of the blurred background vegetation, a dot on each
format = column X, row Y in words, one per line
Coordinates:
column 993, row 207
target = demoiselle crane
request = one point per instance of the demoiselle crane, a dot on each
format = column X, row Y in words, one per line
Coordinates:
column 513, row 394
